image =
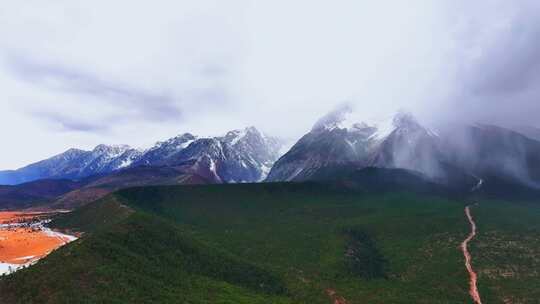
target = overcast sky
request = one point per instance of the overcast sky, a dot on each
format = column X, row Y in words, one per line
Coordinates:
column 76, row 74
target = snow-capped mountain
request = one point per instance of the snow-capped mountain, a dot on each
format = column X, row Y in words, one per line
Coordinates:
column 104, row 159
column 410, row 146
column 164, row 151
column 336, row 140
column 239, row 156
column 458, row 156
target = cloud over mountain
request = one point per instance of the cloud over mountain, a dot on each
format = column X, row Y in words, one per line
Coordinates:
column 74, row 74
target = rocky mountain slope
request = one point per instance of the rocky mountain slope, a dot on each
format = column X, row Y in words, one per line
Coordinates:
column 459, row 157
column 400, row 142
column 239, row 156
column 491, row 152
column 36, row 192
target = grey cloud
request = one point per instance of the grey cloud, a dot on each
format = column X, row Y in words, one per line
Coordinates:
column 68, row 123
column 149, row 106
column 502, row 84
column 512, row 64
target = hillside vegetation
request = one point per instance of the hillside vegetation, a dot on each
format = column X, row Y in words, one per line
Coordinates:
column 274, row 243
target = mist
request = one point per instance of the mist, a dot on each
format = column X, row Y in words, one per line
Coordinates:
column 497, row 69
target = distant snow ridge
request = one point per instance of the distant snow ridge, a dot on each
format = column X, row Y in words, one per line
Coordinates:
column 345, row 118
column 239, row 156
column 165, row 150
column 74, row 164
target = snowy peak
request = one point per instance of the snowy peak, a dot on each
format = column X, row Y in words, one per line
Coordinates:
column 242, row 155
column 341, row 140
column 247, row 135
column 252, row 139
column 178, row 140
column 406, row 123
column 234, row 136
column 335, row 119
column 239, row 156
column 175, row 143
column 404, row 119
column 344, row 118
column 111, row 151
column 163, row 151
column 68, row 155
column 409, row 146
column 342, row 137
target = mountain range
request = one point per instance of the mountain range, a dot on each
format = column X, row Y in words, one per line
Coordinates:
column 239, row 156
column 458, row 158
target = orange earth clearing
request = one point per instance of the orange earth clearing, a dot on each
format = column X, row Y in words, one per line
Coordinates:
column 20, row 245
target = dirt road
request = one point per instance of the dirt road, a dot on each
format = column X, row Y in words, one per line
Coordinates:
column 473, row 278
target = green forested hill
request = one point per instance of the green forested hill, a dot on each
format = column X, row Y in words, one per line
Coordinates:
column 279, row 243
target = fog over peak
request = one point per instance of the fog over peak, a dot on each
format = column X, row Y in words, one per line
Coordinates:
column 79, row 74
column 497, row 71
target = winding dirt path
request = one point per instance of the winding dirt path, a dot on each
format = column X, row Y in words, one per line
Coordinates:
column 473, row 289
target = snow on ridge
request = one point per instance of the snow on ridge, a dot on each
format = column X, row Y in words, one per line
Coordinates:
column 125, row 163
column 352, row 121
column 111, row 151
column 239, row 134
column 179, row 141
column 212, row 166
column 265, row 170
column 384, row 127
column 234, row 136
column 186, row 144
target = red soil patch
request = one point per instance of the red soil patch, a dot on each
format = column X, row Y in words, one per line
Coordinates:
column 19, row 245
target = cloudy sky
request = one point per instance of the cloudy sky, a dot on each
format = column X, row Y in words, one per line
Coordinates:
column 76, row 74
